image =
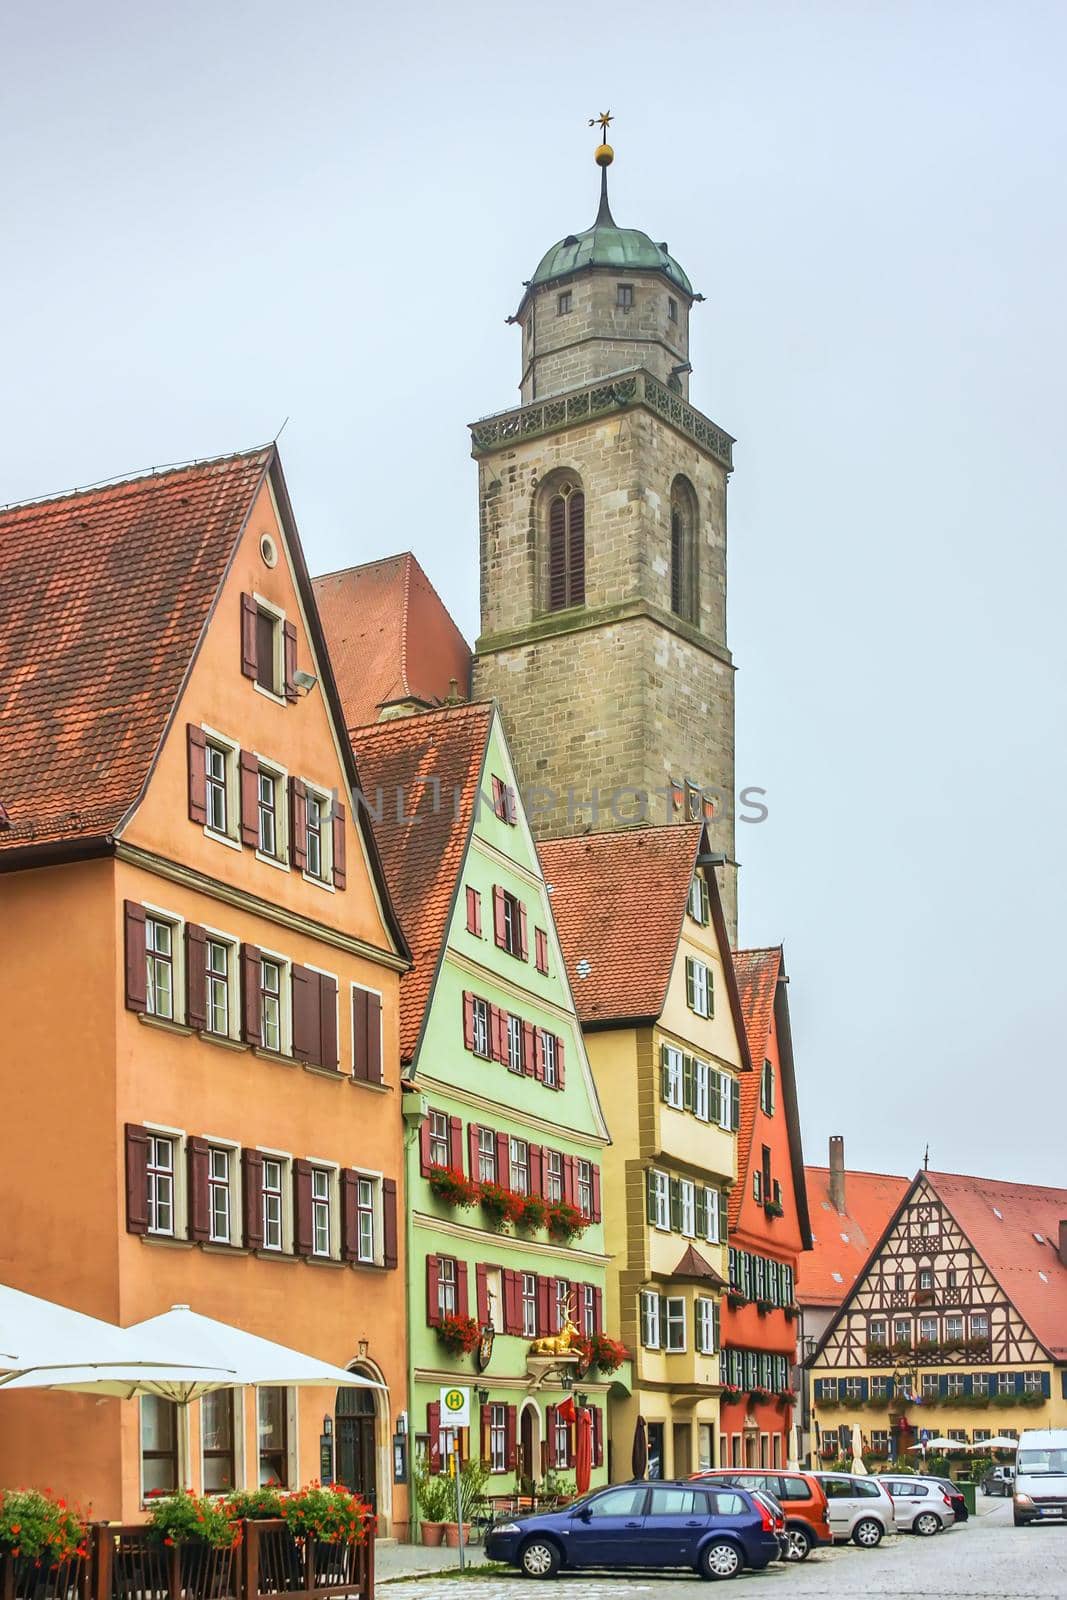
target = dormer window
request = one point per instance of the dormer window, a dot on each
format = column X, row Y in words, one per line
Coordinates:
column 268, row 647
column 565, row 303
column 624, row 296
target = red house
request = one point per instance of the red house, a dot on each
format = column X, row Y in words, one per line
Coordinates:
column 769, row 1229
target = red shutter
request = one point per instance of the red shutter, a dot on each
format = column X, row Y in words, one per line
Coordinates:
column 481, row 1287
column 462, row 1299
column 425, row 1162
column 541, row 949
column 550, row 1435
column 289, row 639
column 433, row 1272
column 512, row 1302
column 349, row 1215
column 249, row 800
column 455, row 1143
column 545, row 1306
column 197, row 746
column 503, row 1160
column 199, row 1195
column 327, row 1021
column 474, row 912
column 307, row 1030
column 298, row 823
column 499, row 806
column 340, row 877
column 494, row 1033
column 390, row 1237
column 598, row 1310
column 433, row 1428
column 596, row 1194
column 598, row 1436
column 251, row 963
column 473, row 1131
column 252, row 1195
column 572, row 1431
column 539, row 1055
column 249, row 620
column 537, row 1169
column 303, row 1232
column 136, row 958
column 359, row 1033
column 523, row 948
column 576, row 549
column 195, row 975
column 511, row 807
column 468, row 1020
column 136, row 1179
column 529, row 1049
column 510, row 1454
column 499, row 928
column 486, row 1419
column 561, row 1065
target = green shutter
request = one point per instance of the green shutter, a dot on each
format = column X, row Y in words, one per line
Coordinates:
column 735, row 1105
column 676, row 1204
column 1046, row 1385
column 664, row 1073
column 690, row 989
column 714, row 1094
column 722, row 1216
column 700, row 1206
column 715, row 1324
column 688, row 1083
column 650, row 1189
column 711, row 991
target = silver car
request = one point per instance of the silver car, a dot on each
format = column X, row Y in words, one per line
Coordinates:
column 857, row 1508
column 920, row 1505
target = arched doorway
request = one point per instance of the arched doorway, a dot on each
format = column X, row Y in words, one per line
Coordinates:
column 357, row 1443
column 529, row 1464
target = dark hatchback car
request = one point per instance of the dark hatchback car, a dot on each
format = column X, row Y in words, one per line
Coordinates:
column 716, row 1532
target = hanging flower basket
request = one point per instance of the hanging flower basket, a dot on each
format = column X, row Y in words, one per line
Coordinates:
column 499, row 1204
column 764, row 1307
column 759, row 1395
column 459, row 1335
column 450, row 1186
column 786, row 1397
column 735, row 1299
column 791, row 1312
column 731, row 1392
column 608, row 1353
column 534, row 1213
column 565, row 1222
column 773, row 1208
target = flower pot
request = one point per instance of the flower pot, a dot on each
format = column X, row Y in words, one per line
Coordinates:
column 451, row 1532
column 433, row 1534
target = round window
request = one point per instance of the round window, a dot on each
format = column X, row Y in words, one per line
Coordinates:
column 268, row 551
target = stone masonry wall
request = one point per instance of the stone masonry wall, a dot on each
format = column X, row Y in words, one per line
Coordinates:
column 596, row 337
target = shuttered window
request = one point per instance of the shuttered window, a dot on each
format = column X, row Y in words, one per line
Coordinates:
column 161, row 1188
column 699, row 990
column 271, row 1004
column 160, row 998
column 366, row 1034
column 274, row 1174
column 566, row 547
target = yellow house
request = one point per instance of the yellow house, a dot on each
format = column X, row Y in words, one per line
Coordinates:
column 642, row 932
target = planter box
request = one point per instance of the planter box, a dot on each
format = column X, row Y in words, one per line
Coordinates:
column 22, row 1579
column 131, row 1563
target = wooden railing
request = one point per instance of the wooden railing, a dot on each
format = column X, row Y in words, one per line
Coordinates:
column 23, row 1578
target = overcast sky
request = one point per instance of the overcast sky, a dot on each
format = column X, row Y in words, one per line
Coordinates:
column 217, row 216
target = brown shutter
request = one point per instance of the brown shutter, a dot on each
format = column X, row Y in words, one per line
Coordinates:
column 561, row 1066
column 374, row 1037
column 598, row 1309
column 339, row 875
column 249, row 621
column 136, row 1179
column 249, row 800
column 596, row 1193
column 303, row 1232
column 545, row 1306
column 503, row 1160
column 498, row 798
column 462, row 1293
column 557, row 553
column 576, row 549
column 433, row 1428
column 499, row 927
column 541, row 945
column 136, row 958
column 455, row 1143
column 473, row 1131
column 529, row 1049
column 510, row 1454
column 251, row 1008
column 197, row 747
column 433, row 1273
column 523, row 947
column 390, row 1255
column 327, row 1020
column 359, row 1033
column 474, row 912
column 199, row 1197
column 298, row 823
column 481, row 1283
column 349, row 1215
column 425, row 1162
column 307, row 1030
column 468, row 1020
column 195, row 975
column 537, row 1169
column 550, row 1435
column 252, row 1195
column 289, row 640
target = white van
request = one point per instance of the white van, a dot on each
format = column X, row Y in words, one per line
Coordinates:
column 1041, row 1475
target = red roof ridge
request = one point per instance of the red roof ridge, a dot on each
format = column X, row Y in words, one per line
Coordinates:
column 857, row 1172
column 139, row 475
column 999, row 1183
column 373, row 730
column 362, row 566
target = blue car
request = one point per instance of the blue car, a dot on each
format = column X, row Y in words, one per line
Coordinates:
column 716, row 1531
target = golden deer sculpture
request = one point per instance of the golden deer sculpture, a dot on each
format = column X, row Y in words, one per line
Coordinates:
column 558, row 1344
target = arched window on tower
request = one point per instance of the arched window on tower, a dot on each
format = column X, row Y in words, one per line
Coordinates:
column 685, row 556
column 566, row 546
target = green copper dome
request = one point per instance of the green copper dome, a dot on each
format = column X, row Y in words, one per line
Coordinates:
column 605, row 244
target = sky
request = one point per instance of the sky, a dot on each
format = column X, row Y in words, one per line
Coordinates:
column 219, row 219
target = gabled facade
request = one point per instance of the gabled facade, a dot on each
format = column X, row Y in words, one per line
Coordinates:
column 768, row 1231
column 206, row 967
column 645, row 941
column 506, row 1139
column 957, row 1324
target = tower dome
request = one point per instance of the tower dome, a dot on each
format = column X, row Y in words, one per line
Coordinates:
column 605, row 244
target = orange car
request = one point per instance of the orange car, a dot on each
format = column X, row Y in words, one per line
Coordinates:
column 800, row 1495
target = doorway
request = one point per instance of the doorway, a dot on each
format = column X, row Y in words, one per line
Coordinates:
column 655, row 1450
column 357, row 1443
column 531, row 1468
column 683, row 1449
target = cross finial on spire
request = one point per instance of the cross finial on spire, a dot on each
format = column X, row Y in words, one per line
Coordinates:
column 605, row 155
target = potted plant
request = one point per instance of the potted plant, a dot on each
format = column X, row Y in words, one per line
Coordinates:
column 473, row 1477
column 40, row 1529
column 534, row 1213
column 451, row 1186
column 731, row 1392
column 764, row 1306
column 325, row 1516
column 499, row 1204
column 459, row 1335
column 735, row 1299
column 607, row 1353
column 773, row 1208
column 565, row 1222
column 436, row 1497
column 184, row 1518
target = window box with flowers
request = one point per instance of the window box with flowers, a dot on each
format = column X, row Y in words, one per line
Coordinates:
column 451, row 1186
column 829, row 1404
column 534, row 1213
column 791, row 1312
column 732, row 1392
column 773, row 1208
column 499, row 1204
column 764, row 1307
column 759, row 1395
column 608, row 1354
column 786, row 1397
column 459, row 1335
column 735, row 1299
column 565, row 1222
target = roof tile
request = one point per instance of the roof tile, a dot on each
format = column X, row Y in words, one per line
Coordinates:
column 842, row 1241
column 757, row 978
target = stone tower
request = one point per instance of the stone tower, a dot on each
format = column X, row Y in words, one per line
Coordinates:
column 603, row 550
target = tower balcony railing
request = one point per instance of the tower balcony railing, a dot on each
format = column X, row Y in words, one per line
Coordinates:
column 617, row 393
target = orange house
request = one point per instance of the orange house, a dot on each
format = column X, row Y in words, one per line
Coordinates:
column 769, row 1229
column 200, row 971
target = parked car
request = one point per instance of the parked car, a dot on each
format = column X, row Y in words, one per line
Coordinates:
column 920, row 1505
column 998, row 1480
column 1041, row 1475
column 800, row 1495
column 955, row 1495
column 857, row 1508
column 716, row 1532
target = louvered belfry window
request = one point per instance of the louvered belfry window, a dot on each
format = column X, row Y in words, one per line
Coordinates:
column 566, row 548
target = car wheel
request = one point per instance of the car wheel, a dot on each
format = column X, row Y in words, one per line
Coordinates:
column 720, row 1559
column 539, row 1559
column 926, row 1523
column 1021, row 1522
column 867, row 1533
column 799, row 1546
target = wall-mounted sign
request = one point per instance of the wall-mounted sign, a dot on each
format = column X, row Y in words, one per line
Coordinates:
column 455, row 1408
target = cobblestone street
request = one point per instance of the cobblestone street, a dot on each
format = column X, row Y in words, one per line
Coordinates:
column 987, row 1559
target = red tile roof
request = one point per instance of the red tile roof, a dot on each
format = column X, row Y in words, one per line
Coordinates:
column 423, row 858
column 619, row 899
column 1028, row 1269
column 841, row 1243
column 103, row 596
column 757, row 980
column 390, row 638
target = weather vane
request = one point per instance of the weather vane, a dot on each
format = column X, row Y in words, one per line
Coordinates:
column 605, row 120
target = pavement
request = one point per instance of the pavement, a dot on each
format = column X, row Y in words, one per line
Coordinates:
column 987, row 1558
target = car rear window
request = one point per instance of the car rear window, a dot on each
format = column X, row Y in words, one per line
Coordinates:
column 795, row 1489
column 725, row 1504
column 864, row 1486
column 678, row 1503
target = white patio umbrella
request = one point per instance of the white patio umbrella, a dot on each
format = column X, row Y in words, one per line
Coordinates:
column 999, row 1442
column 937, row 1444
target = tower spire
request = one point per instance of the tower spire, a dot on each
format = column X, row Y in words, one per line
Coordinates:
column 604, row 156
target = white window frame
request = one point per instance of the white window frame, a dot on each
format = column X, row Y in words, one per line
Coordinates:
column 332, row 1200
column 279, row 777
column 728, row 1090
column 480, row 1027
column 702, row 987
column 980, row 1332
column 675, row 1328
column 699, row 901
column 651, row 1332
column 232, row 947
column 368, row 1204
column 278, row 615
column 953, row 1316
column 583, row 1178
column 528, row 1302
column 164, row 1178
column 176, row 924
column 561, row 1444
column 285, row 1003
column 662, row 1184
column 447, row 1286
column 285, row 1197
column 498, row 1438
column 953, row 1384
column 232, row 1185
column 553, row 1176
column 517, row 1166
column 688, row 1201
column 674, row 1095
column 434, row 1121
column 487, row 1162
column 514, row 1044
column 561, row 1303
column 704, row 1325
column 315, row 791
column 711, row 1212
column 925, row 1325
column 231, row 750
column 548, row 1059
column 587, row 1311
column 702, row 1089
column 767, row 1088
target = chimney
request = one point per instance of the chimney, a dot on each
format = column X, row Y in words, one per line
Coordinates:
column 837, row 1173
column 1063, row 1240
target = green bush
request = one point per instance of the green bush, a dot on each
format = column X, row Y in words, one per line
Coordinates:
column 40, row 1526
column 257, row 1505
column 436, row 1495
column 185, row 1518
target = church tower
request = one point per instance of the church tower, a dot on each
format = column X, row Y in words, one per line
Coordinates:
column 603, row 550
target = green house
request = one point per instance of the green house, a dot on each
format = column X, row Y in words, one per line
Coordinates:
column 505, row 1133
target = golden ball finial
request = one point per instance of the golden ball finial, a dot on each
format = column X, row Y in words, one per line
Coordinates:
column 605, row 155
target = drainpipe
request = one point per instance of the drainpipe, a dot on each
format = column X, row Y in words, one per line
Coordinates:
column 415, row 1111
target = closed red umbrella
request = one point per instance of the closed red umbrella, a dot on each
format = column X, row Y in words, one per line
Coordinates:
column 583, row 1455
